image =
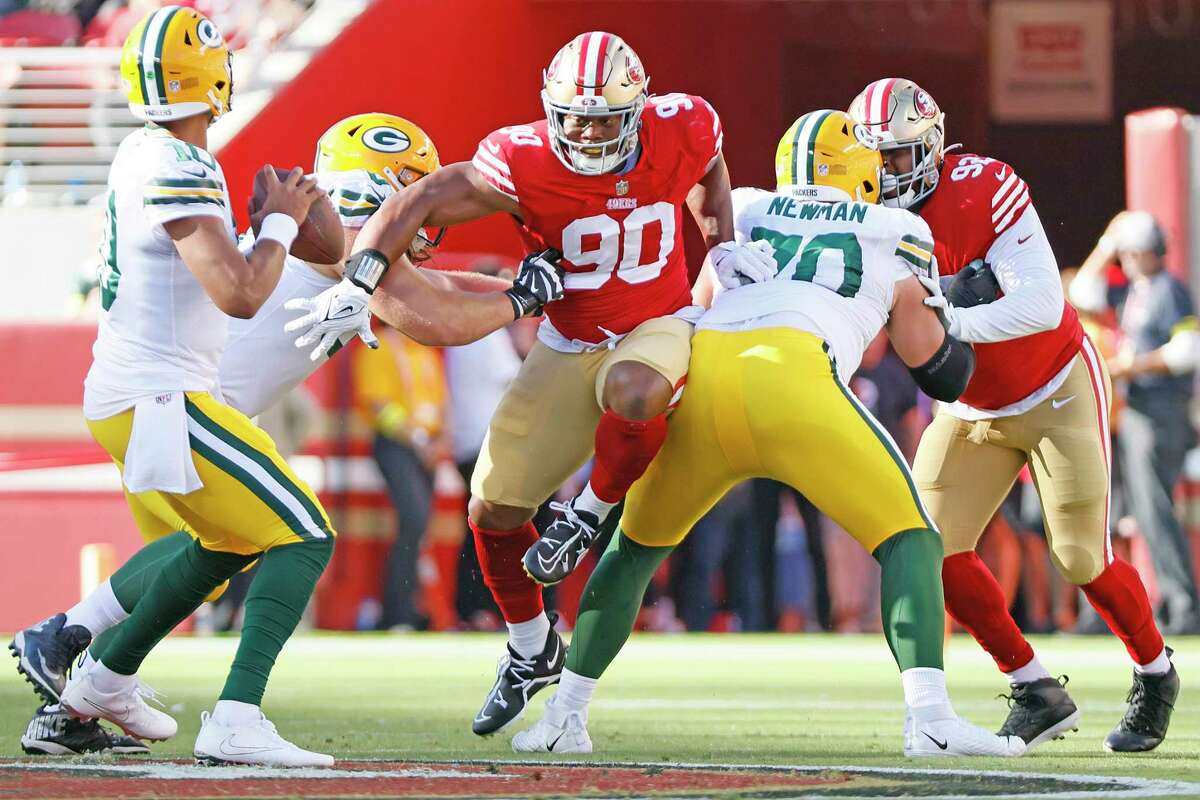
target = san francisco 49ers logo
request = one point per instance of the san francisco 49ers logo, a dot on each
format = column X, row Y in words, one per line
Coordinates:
column 634, row 70
column 552, row 70
column 925, row 105
column 387, row 140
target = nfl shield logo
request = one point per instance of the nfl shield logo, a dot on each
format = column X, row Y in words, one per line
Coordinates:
column 622, row 188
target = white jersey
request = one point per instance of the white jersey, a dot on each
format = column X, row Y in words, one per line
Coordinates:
column 261, row 362
column 159, row 330
column 839, row 263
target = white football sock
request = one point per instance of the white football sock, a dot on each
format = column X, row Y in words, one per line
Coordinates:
column 587, row 501
column 236, row 714
column 107, row 681
column 529, row 638
column 925, row 694
column 97, row 612
column 1030, row 672
column 85, row 661
column 1161, row 665
column 574, row 692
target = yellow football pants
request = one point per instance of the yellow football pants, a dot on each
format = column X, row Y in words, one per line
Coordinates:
column 251, row 500
column 768, row 403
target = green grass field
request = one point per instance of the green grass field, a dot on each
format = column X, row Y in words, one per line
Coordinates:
column 772, row 699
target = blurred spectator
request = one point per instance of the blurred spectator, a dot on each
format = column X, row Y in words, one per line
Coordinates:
column 477, row 375
column 400, row 391
column 1157, row 355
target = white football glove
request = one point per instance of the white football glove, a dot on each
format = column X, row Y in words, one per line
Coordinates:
column 936, row 300
column 739, row 264
column 334, row 317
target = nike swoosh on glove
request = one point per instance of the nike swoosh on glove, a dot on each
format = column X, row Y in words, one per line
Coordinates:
column 739, row 264
column 334, row 317
column 539, row 281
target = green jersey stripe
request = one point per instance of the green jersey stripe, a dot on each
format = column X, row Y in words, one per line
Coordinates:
column 921, row 243
column 916, row 261
column 187, row 183
column 264, row 461
column 182, row 199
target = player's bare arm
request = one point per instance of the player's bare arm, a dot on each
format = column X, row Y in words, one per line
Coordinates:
column 455, row 193
column 238, row 284
column 940, row 364
column 711, row 207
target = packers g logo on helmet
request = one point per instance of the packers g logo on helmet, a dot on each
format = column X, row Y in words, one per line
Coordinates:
column 364, row 159
column 822, row 156
column 386, row 139
column 175, row 64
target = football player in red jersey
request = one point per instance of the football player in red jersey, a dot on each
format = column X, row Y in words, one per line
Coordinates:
column 1040, row 396
column 603, row 180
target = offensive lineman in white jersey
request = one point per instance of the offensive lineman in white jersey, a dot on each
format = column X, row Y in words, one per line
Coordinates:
column 767, row 397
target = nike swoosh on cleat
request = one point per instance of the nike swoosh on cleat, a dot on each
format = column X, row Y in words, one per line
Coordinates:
column 941, row 745
column 228, row 748
column 550, row 746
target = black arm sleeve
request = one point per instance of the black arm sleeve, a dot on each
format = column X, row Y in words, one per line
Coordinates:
column 945, row 376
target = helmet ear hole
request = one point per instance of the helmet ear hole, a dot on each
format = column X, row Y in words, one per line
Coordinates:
column 187, row 38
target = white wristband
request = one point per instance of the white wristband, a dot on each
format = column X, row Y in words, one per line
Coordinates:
column 279, row 228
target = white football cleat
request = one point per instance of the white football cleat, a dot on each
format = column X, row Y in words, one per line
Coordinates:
column 255, row 743
column 956, row 737
column 126, row 707
column 557, row 731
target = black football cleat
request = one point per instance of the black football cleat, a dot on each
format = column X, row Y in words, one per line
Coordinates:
column 54, row 732
column 1151, row 700
column 562, row 545
column 45, row 652
column 1039, row 711
column 517, row 680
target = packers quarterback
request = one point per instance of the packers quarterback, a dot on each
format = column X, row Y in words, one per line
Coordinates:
column 767, row 397
column 1040, row 398
column 359, row 164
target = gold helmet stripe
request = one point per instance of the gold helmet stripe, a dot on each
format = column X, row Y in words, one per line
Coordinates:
column 806, row 133
column 154, row 36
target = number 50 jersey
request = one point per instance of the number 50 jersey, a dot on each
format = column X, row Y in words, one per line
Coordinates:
column 838, row 265
column 620, row 233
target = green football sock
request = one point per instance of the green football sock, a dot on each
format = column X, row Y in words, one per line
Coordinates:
column 132, row 578
column 278, row 595
column 913, row 609
column 610, row 603
column 182, row 583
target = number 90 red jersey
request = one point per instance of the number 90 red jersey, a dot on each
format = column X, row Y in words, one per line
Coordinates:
column 621, row 235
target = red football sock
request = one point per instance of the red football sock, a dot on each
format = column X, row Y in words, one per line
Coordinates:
column 976, row 601
column 518, row 596
column 624, row 448
column 1119, row 597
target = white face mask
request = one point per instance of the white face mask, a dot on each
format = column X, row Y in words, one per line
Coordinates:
column 612, row 153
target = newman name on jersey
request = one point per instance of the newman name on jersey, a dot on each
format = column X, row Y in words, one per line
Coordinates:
column 981, row 209
column 620, row 234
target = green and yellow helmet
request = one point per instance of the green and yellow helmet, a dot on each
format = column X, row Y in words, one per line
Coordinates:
column 175, row 64
column 387, row 146
column 364, row 159
column 821, row 149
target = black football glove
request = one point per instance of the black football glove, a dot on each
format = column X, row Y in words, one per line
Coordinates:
column 539, row 281
column 973, row 285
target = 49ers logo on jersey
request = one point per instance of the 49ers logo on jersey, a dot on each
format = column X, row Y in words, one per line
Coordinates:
column 924, row 105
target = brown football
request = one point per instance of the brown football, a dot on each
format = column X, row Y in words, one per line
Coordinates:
column 320, row 239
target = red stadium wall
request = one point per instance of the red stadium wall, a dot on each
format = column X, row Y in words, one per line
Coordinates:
column 461, row 68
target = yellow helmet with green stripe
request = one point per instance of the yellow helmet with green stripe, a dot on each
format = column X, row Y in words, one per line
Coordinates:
column 175, row 64
column 821, row 149
column 385, row 145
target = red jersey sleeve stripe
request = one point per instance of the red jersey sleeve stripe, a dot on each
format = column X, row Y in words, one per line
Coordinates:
column 491, row 159
column 1019, row 206
column 1004, row 188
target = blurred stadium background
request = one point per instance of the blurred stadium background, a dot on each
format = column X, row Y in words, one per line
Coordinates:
column 1089, row 99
